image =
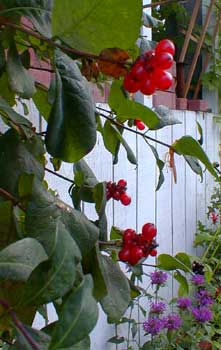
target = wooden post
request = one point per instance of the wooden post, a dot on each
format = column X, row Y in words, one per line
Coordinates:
column 189, row 31
column 198, row 48
column 208, row 55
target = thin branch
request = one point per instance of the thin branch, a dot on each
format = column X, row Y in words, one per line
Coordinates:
column 161, row 3
column 6, row 341
column 42, row 69
column 59, row 175
column 19, row 324
column 135, row 131
column 5, row 194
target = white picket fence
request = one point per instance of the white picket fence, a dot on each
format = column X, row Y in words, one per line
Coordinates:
column 175, row 208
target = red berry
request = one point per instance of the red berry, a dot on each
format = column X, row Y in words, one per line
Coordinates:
column 162, row 79
column 164, row 60
column 124, row 254
column 165, row 45
column 139, row 124
column 128, row 235
column 149, row 231
column 148, row 87
column 116, row 195
column 122, row 183
column 136, row 253
column 125, row 199
column 138, row 72
column 153, row 252
column 130, row 84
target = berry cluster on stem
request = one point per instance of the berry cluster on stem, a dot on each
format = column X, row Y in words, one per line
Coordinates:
column 117, row 191
column 138, row 246
column 149, row 72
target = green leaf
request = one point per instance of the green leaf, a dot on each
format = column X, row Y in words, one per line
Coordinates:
column 184, row 257
column 71, row 132
column 38, row 11
column 15, row 120
column 41, row 338
column 116, row 340
column 187, row 145
column 208, row 273
column 194, row 165
column 20, row 80
column 99, row 194
column 129, row 109
column 77, row 318
column 200, row 130
column 165, row 117
column 40, row 99
column 150, row 22
column 17, row 157
column 168, row 262
column 89, row 177
column 160, row 165
column 82, row 345
column 19, row 259
column 184, row 286
column 8, row 232
column 115, row 233
column 54, row 278
column 25, row 183
column 6, row 92
column 117, row 299
column 109, row 22
column 112, row 133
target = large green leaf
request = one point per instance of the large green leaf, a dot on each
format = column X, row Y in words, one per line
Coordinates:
column 71, row 132
column 117, row 299
column 38, row 11
column 20, row 80
column 77, row 317
column 40, row 99
column 165, row 116
column 93, row 25
column 7, row 224
column 54, row 278
column 183, row 283
column 19, row 259
column 188, row 146
column 82, row 345
column 41, row 339
column 180, row 261
column 88, row 175
column 99, row 194
column 43, row 203
column 129, row 109
column 17, row 157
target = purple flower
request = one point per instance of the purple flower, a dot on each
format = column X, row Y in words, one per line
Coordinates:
column 184, row 303
column 153, row 325
column 203, row 297
column 158, row 307
column 202, row 314
column 172, row 321
column 198, row 280
column 158, row 277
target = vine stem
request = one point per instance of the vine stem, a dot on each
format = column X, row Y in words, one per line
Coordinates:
column 59, row 175
column 5, row 194
column 135, row 131
column 160, row 3
column 51, row 42
column 19, row 325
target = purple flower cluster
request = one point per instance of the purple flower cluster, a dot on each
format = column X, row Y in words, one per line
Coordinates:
column 172, row 321
column 158, row 277
column 184, row 303
column 198, row 280
column 153, row 325
column 157, row 307
column 202, row 314
column 203, row 297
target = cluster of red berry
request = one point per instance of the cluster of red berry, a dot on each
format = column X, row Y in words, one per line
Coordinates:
column 138, row 246
column 118, row 191
column 148, row 73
